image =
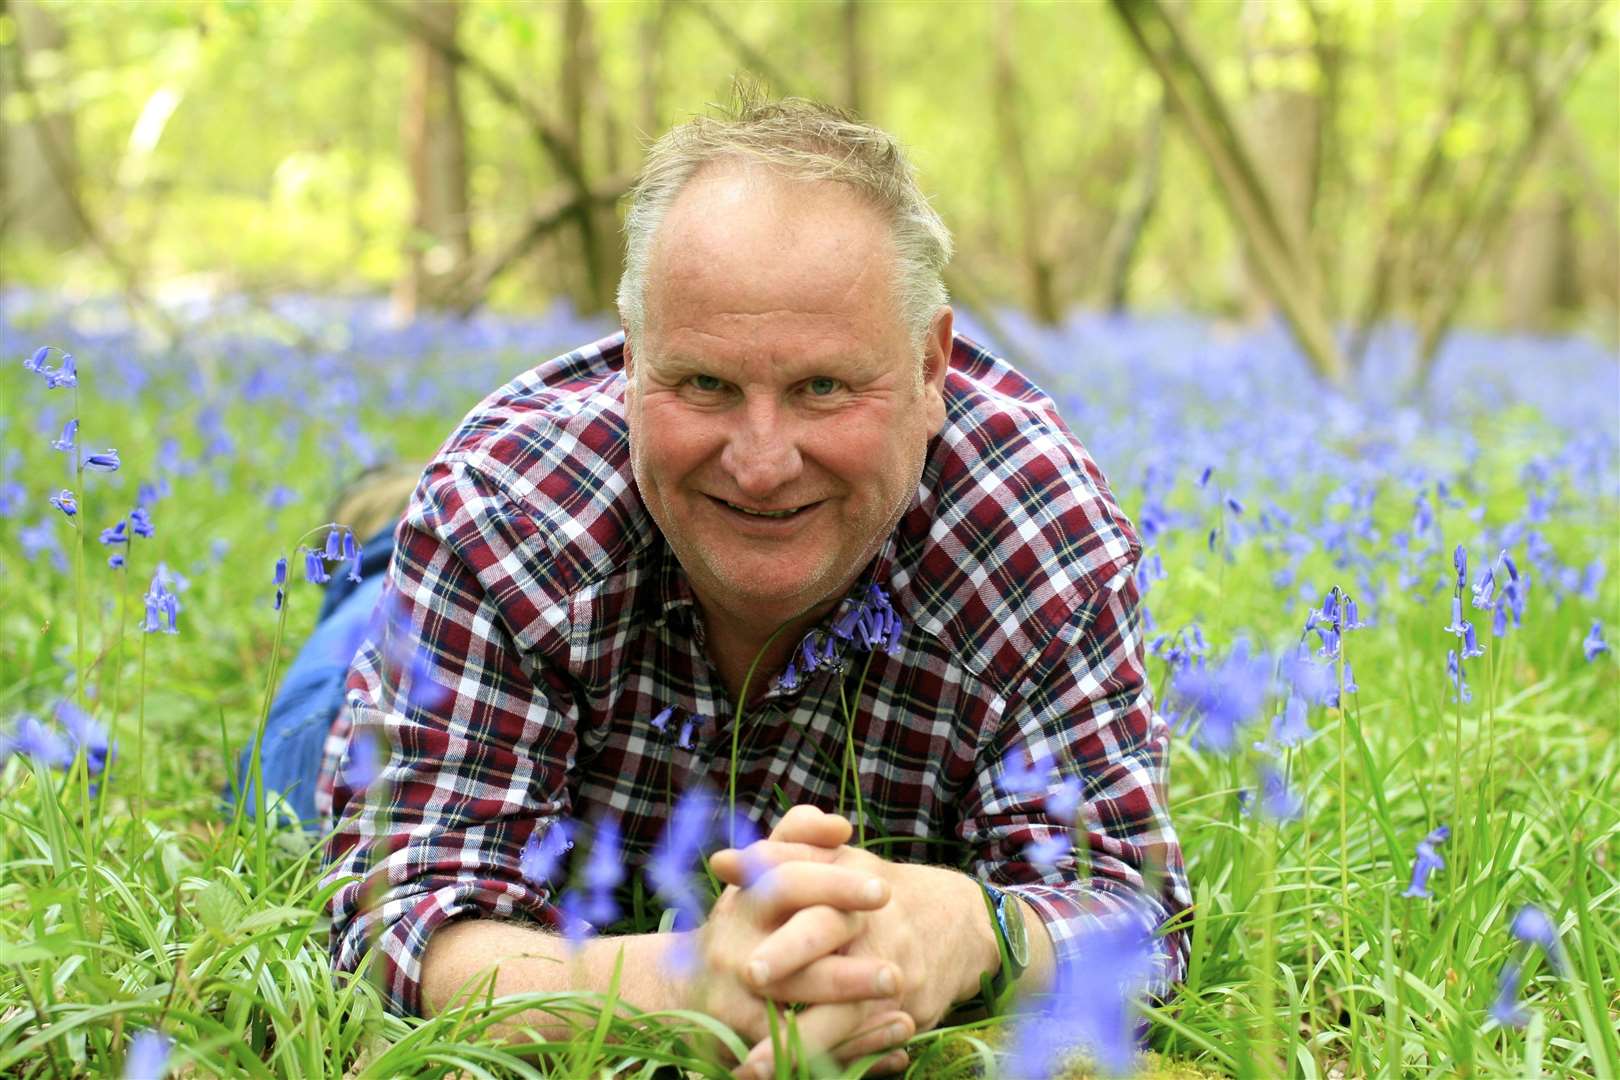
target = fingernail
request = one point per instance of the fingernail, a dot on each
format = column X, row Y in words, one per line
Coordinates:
column 759, row 973
column 897, row 1033
column 885, row 982
column 873, row 891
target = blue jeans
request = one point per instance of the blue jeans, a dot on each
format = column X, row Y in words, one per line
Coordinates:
column 311, row 693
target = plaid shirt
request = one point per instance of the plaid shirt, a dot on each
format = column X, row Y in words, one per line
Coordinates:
column 556, row 623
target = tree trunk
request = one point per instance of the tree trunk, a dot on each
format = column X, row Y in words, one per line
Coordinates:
column 595, row 224
column 1010, row 132
column 434, row 136
column 33, row 199
column 854, row 58
column 1539, row 284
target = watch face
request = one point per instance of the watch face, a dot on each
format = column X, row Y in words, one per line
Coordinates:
column 1017, row 937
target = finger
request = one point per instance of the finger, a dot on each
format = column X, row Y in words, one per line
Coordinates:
column 893, row 1063
column 836, row 978
column 743, row 867
column 808, row 824
column 794, row 886
column 807, row 935
column 845, row 1032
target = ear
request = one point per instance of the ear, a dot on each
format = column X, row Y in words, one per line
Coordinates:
column 936, row 364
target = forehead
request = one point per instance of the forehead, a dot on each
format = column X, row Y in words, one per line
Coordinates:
column 744, row 252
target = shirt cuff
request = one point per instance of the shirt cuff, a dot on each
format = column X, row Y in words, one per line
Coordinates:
column 1070, row 914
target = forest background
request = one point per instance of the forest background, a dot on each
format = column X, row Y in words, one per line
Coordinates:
column 1338, row 163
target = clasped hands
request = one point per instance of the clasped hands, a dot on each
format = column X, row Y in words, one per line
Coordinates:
column 865, row 946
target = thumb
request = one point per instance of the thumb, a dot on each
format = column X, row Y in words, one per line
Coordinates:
column 806, row 824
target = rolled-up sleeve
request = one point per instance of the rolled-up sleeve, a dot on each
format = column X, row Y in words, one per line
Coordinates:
column 473, row 739
column 1093, row 716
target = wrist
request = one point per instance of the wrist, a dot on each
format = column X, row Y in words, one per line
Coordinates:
column 982, row 957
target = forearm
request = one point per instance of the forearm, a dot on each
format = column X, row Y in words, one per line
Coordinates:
column 966, row 916
column 461, row 955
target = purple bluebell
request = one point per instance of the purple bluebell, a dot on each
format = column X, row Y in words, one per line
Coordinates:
column 1459, row 560
column 660, row 722
column 1458, row 625
column 106, row 461
column 140, row 522
column 1291, row 726
column 36, row 362
column 1471, row 646
column 675, row 857
column 1531, row 925
column 334, row 544
column 116, row 534
column 1499, row 619
column 1505, row 1008
column 1233, row 505
column 162, row 607
column 1485, row 589
column 86, row 733
column 353, row 576
column 1593, row 644
column 280, row 576
column 315, row 568
column 604, row 870
column 1277, row 800
column 148, row 1056
column 1019, row 779
column 39, row 742
column 573, row 913
column 115, row 560
column 1458, row 677
column 1094, row 996
column 1427, row 861
column 1063, row 804
column 1203, row 477
column 1045, row 854
column 684, row 739
column 64, row 377
column 65, row 443
column 362, row 760
column 543, row 850
column 1225, row 698
column 64, row 501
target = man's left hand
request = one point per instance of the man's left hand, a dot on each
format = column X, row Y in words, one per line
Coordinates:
column 934, row 930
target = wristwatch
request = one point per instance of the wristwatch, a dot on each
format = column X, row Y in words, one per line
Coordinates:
column 1012, row 942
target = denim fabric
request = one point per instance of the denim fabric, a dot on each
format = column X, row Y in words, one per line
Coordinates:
column 311, row 693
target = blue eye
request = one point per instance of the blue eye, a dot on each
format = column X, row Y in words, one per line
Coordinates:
column 707, row 383
column 822, row 386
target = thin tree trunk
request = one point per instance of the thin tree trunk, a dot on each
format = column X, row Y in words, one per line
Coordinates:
column 1125, row 239
column 854, row 57
column 1010, row 134
column 434, row 135
column 38, row 195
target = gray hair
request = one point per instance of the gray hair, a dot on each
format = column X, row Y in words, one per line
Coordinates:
column 802, row 140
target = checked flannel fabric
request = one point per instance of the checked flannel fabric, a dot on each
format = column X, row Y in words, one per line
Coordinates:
column 551, row 624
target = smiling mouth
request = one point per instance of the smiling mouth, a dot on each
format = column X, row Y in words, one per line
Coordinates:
column 765, row 515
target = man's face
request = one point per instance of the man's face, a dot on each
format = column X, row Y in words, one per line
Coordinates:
column 777, row 428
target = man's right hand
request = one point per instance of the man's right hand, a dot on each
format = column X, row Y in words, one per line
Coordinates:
column 827, row 902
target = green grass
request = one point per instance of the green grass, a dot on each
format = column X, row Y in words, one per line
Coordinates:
column 141, row 906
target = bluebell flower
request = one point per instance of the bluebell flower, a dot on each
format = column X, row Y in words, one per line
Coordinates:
column 36, row 362
column 39, row 742
column 1291, row 726
column 1459, row 560
column 604, row 870
column 676, row 855
column 660, row 722
column 1428, row 860
column 1459, row 680
column 315, row 568
column 64, row 501
column 684, row 739
column 106, row 461
column 140, row 522
column 362, row 760
column 1505, row 1009
column 334, row 545
column 576, row 926
column 1019, row 779
column 1092, row 1001
column 1594, row 644
column 1063, row 804
column 280, row 577
column 116, row 534
column 162, row 607
column 86, row 733
column 1499, row 618
column 1203, row 477
column 1485, row 589
column 65, row 443
column 1531, row 925
column 1458, row 625
column 543, row 850
column 1045, row 854
column 353, row 575
column 115, row 560
column 64, row 377
column 1471, row 646
column 1277, row 800
column 1233, row 505
column 148, row 1057
column 1226, row 697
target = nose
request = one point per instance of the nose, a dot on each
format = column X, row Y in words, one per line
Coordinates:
column 761, row 454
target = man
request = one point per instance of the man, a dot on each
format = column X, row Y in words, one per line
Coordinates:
column 787, row 438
